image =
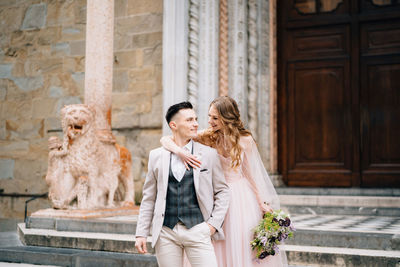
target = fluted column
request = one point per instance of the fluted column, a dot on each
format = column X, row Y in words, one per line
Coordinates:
column 99, row 59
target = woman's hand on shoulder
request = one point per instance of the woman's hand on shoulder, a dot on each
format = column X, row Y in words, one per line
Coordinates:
column 188, row 159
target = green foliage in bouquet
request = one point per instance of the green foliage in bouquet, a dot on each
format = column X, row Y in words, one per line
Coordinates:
column 274, row 228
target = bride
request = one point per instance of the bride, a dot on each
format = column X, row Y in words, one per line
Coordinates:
column 252, row 193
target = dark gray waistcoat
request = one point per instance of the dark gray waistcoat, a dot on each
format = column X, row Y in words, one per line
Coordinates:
column 181, row 202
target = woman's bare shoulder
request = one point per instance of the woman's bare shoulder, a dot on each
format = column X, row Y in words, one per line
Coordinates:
column 246, row 141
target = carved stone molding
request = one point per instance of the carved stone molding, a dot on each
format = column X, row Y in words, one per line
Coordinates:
column 193, row 52
column 273, row 110
column 223, row 48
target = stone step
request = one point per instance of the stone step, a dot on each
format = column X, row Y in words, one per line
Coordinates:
column 395, row 212
column 297, row 256
column 363, row 232
column 324, row 191
column 10, row 264
column 340, row 201
column 9, row 224
column 74, row 257
column 341, row 205
column 8, row 239
column 335, row 256
column 368, row 232
column 115, row 225
column 345, row 239
column 45, row 256
column 79, row 240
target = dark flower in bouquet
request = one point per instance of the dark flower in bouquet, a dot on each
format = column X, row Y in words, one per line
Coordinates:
column 271, row 231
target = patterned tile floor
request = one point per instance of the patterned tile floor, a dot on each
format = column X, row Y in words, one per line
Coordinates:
column 389, row 225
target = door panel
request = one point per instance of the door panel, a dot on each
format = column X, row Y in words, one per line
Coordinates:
column 380, row 96
column 317, row 43
column 315, row 145
column 380, row 38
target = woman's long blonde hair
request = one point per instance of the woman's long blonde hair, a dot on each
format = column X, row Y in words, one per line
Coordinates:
column 232, row 129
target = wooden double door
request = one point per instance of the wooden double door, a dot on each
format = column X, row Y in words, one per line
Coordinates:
column 339, row 92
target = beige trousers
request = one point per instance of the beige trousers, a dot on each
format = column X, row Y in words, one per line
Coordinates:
column 195, row 242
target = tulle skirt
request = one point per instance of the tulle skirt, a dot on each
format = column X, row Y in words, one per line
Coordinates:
column 242, row 217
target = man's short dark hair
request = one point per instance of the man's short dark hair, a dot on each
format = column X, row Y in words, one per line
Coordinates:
column 172, row 110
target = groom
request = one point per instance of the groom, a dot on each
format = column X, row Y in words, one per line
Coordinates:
column 184, row 208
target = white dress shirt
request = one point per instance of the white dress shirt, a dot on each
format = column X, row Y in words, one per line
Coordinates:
column 177, row 166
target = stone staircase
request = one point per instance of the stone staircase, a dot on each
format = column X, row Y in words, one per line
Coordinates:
column 343, row 227
column 78, row 242
column 335, row 227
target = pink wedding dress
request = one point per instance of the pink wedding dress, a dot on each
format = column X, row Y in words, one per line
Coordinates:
column 244, row 212
column 249, row 184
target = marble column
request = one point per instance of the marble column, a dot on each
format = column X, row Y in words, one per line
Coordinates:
column 175, row 54
column 99, row 59
column 237, row 13
column 263, row 80
column 208, row 59
column 252, row 66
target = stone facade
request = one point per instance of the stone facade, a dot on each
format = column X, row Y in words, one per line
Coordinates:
column 241, row 53
column 42, row 48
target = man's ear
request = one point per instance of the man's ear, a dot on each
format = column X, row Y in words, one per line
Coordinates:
column 172, row 125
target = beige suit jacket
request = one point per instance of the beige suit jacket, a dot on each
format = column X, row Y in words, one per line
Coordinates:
column 211, row 189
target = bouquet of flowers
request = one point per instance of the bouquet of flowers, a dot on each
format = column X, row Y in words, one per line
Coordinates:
column 274, row 228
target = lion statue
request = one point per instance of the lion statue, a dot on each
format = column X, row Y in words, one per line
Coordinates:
column 88, row 165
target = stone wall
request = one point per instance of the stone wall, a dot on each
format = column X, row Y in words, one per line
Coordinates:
column 42, row 48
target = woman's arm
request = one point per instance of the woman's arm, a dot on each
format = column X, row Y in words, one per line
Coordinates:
column 246, row 167
column 203, row 137
column 168, row 143
column 188, row 159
